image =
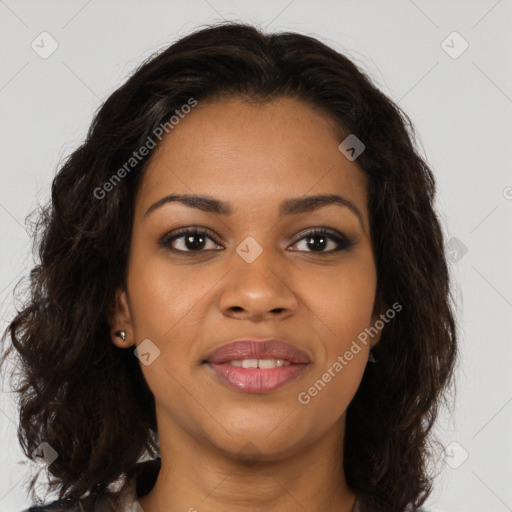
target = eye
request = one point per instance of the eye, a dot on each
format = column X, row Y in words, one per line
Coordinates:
column 321, row 238
column 193, row 239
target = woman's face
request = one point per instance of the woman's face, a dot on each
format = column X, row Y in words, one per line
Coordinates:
column 258, row 273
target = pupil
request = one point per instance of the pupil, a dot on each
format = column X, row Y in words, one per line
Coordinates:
column 191, row 245
column 319, row 241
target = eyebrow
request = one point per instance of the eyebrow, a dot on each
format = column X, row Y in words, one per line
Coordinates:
column 294, row 206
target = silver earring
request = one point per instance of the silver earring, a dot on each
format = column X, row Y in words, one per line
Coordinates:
column 371, row 357
column 121, row 334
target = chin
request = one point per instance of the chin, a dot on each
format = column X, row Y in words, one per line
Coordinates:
column 254, row 451
column 260, row 441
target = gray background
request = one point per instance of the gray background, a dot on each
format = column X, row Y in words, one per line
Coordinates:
column 461, row 108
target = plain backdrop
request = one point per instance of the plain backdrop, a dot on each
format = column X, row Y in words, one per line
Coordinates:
column 446, row 63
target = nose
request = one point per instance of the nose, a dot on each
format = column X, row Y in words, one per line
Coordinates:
column 257, row 291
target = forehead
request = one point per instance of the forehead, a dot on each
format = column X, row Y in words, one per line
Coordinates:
column 253, row 152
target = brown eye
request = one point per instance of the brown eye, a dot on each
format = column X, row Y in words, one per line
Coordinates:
column 189, row 240
column 318, row 240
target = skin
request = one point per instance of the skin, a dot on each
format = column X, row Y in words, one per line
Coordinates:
column 222, row 449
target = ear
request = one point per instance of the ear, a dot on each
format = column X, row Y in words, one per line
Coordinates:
column 120, row 320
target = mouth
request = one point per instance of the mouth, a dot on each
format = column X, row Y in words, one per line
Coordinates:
column 253, row 366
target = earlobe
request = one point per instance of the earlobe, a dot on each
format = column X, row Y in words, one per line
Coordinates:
column 121, row 334
column 121, row 330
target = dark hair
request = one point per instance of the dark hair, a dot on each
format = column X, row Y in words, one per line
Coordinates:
column 89, row 400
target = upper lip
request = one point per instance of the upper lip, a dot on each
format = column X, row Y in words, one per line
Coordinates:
column 250, row 348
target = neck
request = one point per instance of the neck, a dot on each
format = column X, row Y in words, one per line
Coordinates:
column 196, row 476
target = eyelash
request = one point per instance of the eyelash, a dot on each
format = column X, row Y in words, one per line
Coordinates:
column 342, row 241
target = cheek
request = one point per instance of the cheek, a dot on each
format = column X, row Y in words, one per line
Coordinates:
column 342, row 303
column 162, row 295
column 341, row 314
column 336, row 374
column 351, row 312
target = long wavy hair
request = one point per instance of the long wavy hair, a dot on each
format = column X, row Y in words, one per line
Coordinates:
column 89, row 400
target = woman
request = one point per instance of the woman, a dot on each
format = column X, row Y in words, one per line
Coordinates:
column 243, row 300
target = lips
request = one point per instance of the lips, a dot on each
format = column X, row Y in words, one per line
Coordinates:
column 253, row 366
column 253, row 349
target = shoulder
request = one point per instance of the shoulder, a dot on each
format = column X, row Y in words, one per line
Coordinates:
column 359, row 507
column 122, row 497
column 55, row 506
column 412, row 508
column 106, row 504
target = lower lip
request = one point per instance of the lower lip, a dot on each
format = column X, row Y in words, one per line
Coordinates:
column 256, row 380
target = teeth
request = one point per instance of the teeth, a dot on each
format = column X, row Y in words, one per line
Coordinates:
column 267, row 363
column 259, row 363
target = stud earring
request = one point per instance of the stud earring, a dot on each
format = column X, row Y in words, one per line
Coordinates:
column 121, row 334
